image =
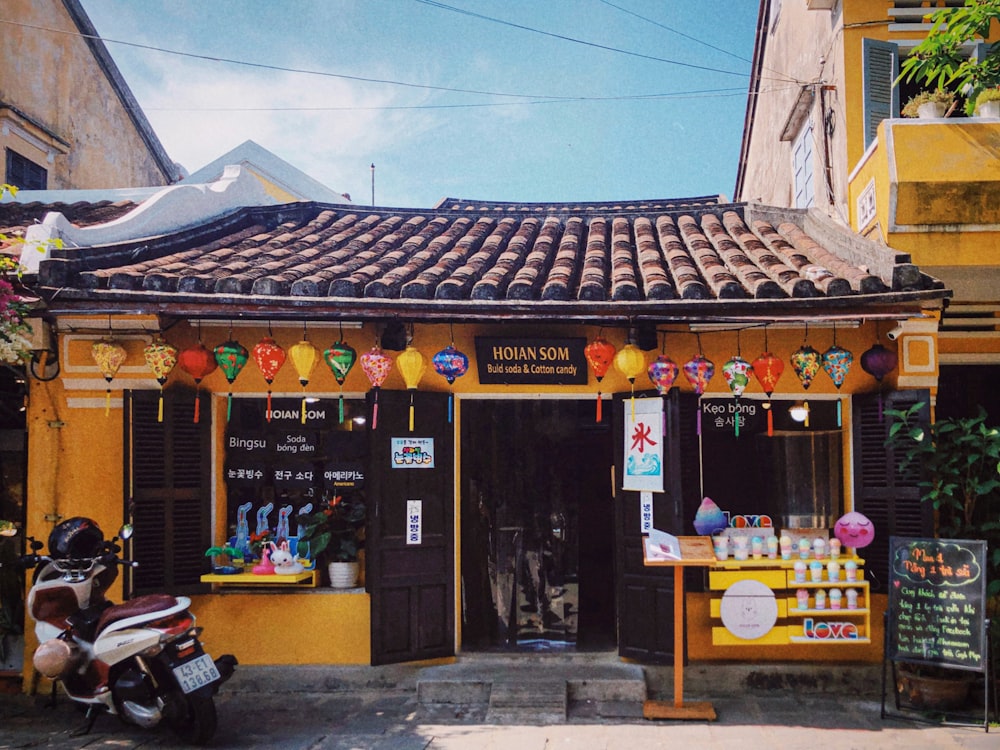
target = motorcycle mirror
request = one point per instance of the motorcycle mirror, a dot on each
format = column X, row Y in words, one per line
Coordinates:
column 126, row 531
column 36, row 545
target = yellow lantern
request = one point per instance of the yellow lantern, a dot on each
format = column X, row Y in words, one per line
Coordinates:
column 304, row 358
column 411, row 364
column 631, row 362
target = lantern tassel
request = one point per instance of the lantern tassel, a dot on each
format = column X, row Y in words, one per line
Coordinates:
column 806, row 423
column 229, row 406
column 197, row 406
column 600, row 416
column 736, row 421
column 303, row 410
column 633, row 400
column 770, row 419
column 107, row 402
column 375, row 411
column 451, row 405
column 268, row 404
column 697, row 424
column 838, row 414
column 341, row 405
column 411, row 412
column 159, row 408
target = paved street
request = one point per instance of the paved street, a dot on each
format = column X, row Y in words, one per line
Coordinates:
column 352, row 714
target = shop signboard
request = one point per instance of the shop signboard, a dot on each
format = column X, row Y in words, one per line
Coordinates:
column 531, row 361
column 937, row 596
column 721, row 415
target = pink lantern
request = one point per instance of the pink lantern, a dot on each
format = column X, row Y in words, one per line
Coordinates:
column 699, row 370
column 376, row 366
column 662, row 373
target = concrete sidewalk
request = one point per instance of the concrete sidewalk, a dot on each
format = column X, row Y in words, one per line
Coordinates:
column 781, row 706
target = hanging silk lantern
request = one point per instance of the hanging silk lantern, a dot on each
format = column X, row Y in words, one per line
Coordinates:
column 160, row 359
column 600, row 354
column 631, row 362
column 699, row 371
column 340, row 359
column 767, row 369
column 805, row 362
column 198, row 362
column 736, row 372
column 231, row 356
column 109, row 356
column 376, row 365
column 879, row 362
column 412, row 365
column 450, row 363
column 836, row 362
column 662, row 373
column 305, row 357
column 269, row 357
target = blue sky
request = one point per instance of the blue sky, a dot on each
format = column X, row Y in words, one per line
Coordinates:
column 491, row 108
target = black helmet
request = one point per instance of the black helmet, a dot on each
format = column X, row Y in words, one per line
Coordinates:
column 76, row 538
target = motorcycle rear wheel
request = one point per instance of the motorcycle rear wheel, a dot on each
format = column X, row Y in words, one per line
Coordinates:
column 192, row 718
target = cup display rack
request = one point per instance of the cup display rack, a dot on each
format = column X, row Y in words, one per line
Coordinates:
column 812, row 625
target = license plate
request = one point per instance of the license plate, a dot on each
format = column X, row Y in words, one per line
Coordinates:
column 196, row 673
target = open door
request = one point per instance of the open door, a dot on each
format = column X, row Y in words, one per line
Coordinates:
column 645, row 595
column 410, row 546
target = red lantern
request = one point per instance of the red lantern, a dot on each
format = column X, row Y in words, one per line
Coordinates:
column 767, row 369
column 600, row 354
column 269, row 357
column 198, row 362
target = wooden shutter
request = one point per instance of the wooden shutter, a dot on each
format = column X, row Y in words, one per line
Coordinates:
column 879, row 68
column 167, row 480
column 889, row 497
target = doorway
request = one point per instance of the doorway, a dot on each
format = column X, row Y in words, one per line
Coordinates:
column 537, row 524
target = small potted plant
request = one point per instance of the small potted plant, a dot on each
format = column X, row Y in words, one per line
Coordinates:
column 988, row 102
column 930, row 104
column 224, row 560
column 334, row 535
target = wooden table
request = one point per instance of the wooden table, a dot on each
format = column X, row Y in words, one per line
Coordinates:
column 696, row 551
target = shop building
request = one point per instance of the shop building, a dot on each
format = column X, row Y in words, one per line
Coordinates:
column 496, row 511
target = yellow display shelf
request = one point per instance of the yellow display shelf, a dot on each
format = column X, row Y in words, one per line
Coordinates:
column 306, row 578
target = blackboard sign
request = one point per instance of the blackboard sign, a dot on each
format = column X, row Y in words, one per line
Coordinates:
column 937, row 595
column 509, row 361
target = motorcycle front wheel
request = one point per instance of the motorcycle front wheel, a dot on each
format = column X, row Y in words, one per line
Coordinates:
column 192, row 718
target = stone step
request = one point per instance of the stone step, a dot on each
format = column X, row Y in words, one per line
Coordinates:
column 531, row 701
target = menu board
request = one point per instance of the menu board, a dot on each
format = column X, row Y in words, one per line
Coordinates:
column 937, row 595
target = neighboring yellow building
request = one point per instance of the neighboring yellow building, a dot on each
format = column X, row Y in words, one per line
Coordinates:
column 67, row 118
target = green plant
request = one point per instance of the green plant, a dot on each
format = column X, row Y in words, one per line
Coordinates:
column 937, row 96
column 942, row 59
column 959, row 463
column 334, row 532
column 988, row 95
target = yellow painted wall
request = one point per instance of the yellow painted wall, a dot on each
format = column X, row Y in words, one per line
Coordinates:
column 75, row 449
column 53, row 78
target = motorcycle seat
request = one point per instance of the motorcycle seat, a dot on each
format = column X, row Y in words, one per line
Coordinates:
column 141, row 605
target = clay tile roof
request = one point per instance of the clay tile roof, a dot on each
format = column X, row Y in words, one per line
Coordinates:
column 693, row 258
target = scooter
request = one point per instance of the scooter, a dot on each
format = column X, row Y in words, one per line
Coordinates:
column 140, row 660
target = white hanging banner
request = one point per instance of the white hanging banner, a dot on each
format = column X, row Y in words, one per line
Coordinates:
column 643, row 445
column 414, row 521
column 645, row 512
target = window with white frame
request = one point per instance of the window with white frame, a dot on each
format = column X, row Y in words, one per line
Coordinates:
column 802, row 166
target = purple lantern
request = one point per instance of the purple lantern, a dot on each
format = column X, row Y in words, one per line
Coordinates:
column 662, row 373
column 699, row 370
column 878, row 362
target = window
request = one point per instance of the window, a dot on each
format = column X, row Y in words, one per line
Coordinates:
column 24, row 174
column 802, row 166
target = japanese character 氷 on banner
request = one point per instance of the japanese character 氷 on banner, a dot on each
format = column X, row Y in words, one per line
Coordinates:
column 644, row 446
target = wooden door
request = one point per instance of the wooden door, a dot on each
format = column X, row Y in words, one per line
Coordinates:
column 645, row 595
column 412, row 585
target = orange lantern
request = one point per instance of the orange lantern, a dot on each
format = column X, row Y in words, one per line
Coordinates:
column 412, row 365
column 305, row 357
column 600, row 354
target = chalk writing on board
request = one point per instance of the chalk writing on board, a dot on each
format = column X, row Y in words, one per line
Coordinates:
column 936, row 601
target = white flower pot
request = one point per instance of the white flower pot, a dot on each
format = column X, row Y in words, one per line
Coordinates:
column 343, row 575
column 989, row 109
column 931, row 110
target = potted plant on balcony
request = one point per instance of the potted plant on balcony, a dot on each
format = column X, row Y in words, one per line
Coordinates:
column 334, row 536
column 930, row 104
column 959, row 461
column 988, row 102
